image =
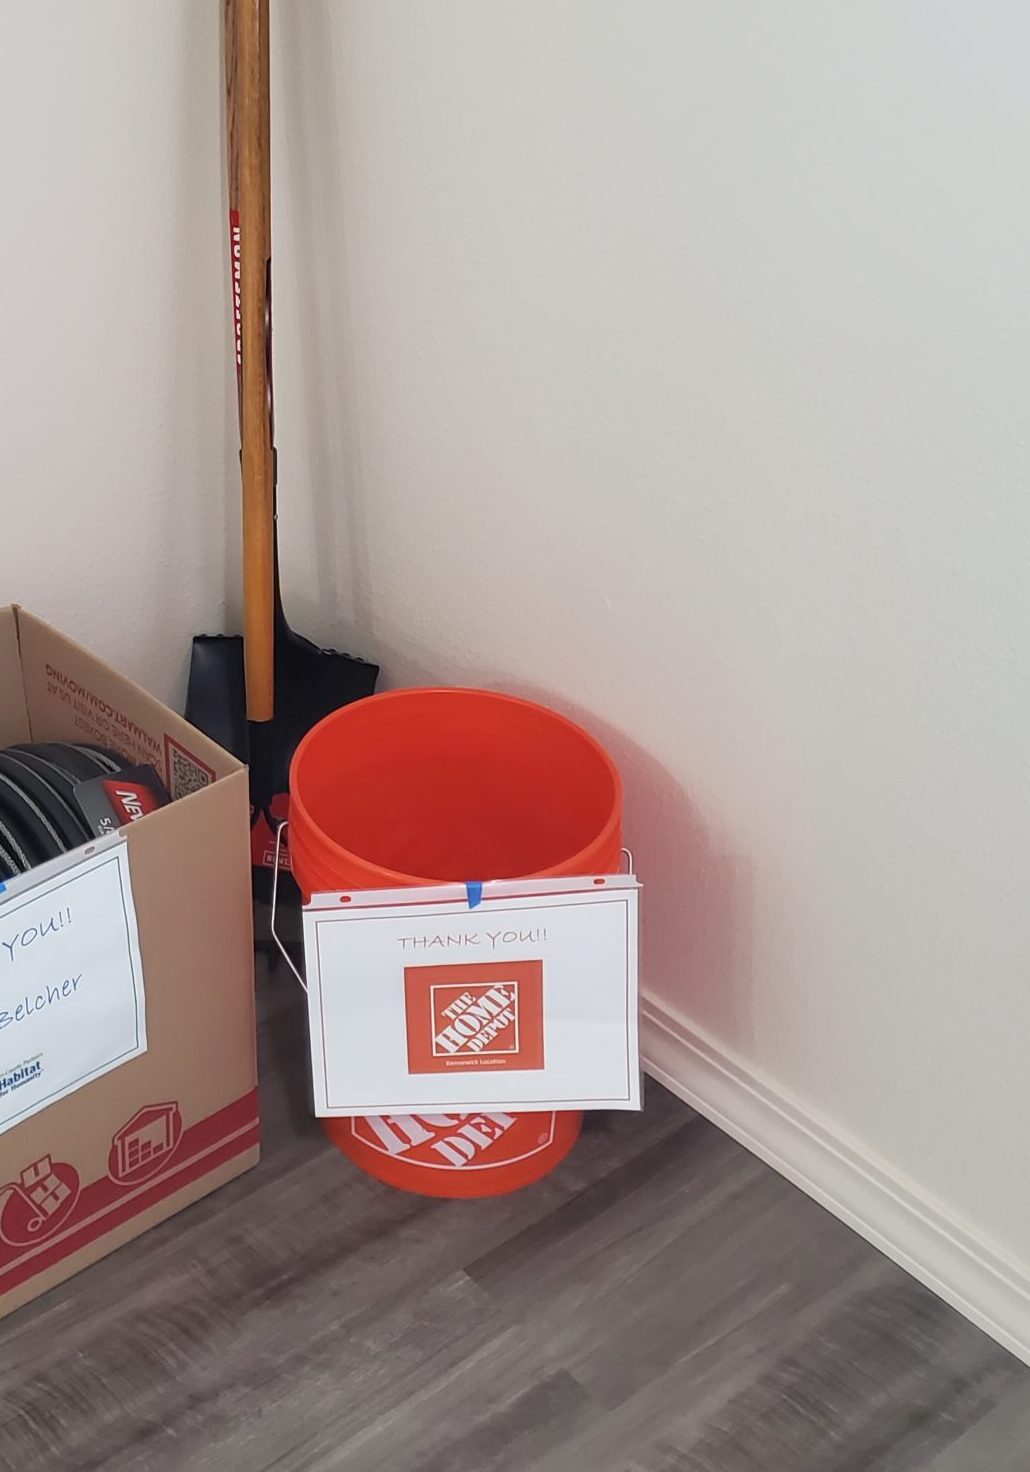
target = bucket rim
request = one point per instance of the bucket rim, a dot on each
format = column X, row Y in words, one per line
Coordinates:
column 609, row 829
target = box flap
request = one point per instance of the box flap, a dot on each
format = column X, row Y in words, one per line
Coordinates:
column 70, row 695
column 138, row 1143
column 14, row 720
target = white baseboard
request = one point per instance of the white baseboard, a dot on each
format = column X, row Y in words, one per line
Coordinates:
column 919, row 1236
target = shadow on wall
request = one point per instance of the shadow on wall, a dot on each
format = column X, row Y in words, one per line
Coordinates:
column 328, row 427
column 199, row 417
column 697, row 908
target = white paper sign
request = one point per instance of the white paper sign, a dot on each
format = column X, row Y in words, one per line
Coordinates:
column 71, row 982
column 419, row 1003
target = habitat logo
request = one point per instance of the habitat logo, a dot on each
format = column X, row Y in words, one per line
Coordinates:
column 22, row 1073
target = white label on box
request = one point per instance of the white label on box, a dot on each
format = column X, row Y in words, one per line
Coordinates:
column 71, row 981
column 525, row 1001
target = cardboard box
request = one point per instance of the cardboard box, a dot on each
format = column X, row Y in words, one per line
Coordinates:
column 124, row 1152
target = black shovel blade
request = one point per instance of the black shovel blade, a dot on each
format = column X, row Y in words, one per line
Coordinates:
column 310, row 683
column 216, row 696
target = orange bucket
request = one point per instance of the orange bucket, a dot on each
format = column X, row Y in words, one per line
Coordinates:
column 435, row 786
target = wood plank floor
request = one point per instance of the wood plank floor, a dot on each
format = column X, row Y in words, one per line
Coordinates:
column 662, row 1303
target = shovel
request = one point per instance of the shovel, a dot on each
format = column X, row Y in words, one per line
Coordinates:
column 259, row 694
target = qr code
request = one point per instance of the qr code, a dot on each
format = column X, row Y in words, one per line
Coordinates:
column 186, row 773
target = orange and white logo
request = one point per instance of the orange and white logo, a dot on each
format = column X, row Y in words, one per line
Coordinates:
column 456, row 1141
column 475, row 1015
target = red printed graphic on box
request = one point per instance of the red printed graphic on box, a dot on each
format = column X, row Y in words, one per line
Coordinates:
column 38, row 1203
column 474, row 1015
column 46, row 1216
column 456, row 1141
column 146, row 1144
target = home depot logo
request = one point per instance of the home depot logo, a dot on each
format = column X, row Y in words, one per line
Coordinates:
column 483, row 1020
column 474, row 1015
column 456, row 1141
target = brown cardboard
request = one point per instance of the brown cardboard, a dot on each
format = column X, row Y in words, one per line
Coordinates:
column 76, row 697
column 191, row 1098
column 14, row 720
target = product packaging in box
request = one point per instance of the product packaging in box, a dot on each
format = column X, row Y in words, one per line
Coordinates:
column 137, row 1144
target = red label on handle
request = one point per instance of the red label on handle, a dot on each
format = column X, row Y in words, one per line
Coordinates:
column 237, row 316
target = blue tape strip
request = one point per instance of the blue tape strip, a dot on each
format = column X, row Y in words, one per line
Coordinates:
column 474, row 890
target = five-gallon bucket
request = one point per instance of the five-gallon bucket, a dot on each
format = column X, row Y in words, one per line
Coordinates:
column 434, row 786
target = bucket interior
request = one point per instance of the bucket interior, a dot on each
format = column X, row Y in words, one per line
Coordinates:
column 453, row 785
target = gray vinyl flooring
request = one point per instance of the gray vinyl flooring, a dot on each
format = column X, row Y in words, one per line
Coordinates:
column 661, row 1303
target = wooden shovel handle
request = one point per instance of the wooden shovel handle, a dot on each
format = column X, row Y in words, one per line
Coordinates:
column 251, row 28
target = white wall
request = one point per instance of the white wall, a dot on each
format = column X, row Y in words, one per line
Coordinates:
column 115, row 435
column 670, row 362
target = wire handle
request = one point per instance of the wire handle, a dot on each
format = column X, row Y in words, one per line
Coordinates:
column 275, row 904
column 627, row 854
